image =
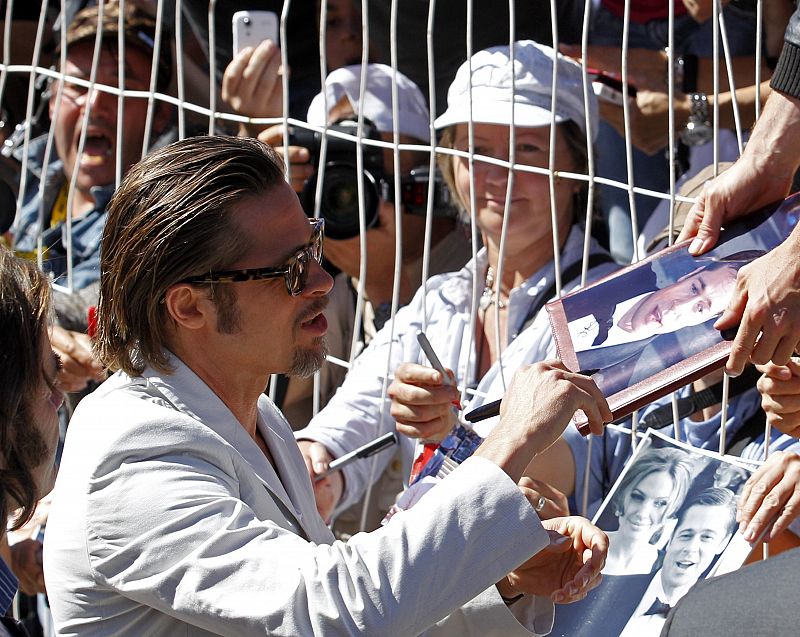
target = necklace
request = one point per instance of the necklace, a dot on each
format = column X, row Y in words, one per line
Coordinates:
column 489, row 298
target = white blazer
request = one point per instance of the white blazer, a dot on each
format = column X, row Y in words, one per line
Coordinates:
column 168, row 520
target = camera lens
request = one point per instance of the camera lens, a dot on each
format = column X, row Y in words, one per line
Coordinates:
column 339, row 203
column 246, row 21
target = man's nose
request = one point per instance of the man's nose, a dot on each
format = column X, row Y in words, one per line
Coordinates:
column 102, row 103
column 319, row 282
column 692, row 547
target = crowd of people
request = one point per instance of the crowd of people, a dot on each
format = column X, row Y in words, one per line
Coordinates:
column 195, row 326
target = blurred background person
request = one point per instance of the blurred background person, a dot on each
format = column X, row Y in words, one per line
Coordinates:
column 421, row 397
column 46, row 199
column 648, row 31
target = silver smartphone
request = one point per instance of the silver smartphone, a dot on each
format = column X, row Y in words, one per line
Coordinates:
column 251, row 28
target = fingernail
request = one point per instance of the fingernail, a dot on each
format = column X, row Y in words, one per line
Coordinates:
column 558, row 597
column 696, row 246
column 559, row 541
column 749, row 534
column 319, row 467
column 733, row 373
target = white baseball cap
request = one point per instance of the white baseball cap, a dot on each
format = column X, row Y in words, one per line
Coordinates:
column 413, row 117
column 532, row 72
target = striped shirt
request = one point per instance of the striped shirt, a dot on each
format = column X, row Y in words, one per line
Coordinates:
column 8, row 587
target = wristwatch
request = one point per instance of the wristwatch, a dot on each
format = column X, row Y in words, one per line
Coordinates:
column 698, row 129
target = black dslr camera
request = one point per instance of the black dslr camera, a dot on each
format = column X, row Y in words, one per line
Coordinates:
column 339, row 195
column 339, row 203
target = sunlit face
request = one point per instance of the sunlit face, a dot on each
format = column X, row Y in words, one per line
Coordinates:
column 97, row 164
column 342, row 33
column 275, row 331
column 44, row 412
column 692, row 300
column 645, row 506
column 696, row 541
column 529, row 209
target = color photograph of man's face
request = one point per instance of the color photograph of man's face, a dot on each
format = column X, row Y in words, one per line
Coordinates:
column 692, row 300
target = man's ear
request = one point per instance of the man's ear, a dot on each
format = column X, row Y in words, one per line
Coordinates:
column 188, row 306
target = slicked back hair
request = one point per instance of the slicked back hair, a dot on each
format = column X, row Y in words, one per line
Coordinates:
column 24, row 314
column 170, row 219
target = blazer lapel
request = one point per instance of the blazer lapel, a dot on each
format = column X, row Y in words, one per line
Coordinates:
column 292, row 468
column 187, row 393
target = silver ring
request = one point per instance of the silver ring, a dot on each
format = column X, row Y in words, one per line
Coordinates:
column 540, row 504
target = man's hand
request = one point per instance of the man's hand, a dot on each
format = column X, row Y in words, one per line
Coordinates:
column 762, row 175
column 765, row 301
column 327, row 491
column 780, row 396
column 26, row 562
column 536, row 408
column 422, row 404
column 773, row 490
column 767, row 294
column 567, row 569
column 746, row 186
column 78, row 364
column 252, row 84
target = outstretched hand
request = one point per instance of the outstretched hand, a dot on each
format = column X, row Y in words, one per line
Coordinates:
column 771, row 493
column 252, row 84
column 765, row 302
column 536, row 409
column 780, row 396
column 567, row 569
column 422, row 401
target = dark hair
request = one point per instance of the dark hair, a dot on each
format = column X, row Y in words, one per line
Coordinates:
column 171, row 219
column 24, row 314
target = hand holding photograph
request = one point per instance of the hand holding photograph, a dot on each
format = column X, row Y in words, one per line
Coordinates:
column 670, row 520
column 649, row 328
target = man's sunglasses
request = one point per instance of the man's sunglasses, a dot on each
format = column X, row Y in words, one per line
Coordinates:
column 294, row 271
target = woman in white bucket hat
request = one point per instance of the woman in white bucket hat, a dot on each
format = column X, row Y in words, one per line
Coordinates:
column 421, row 401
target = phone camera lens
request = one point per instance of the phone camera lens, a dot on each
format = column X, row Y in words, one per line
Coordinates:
column 246, row 21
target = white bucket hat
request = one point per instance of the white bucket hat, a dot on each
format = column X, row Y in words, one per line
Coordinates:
column 532, row 71
column 413, row 119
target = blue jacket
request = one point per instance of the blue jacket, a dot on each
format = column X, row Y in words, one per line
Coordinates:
column 87, row 231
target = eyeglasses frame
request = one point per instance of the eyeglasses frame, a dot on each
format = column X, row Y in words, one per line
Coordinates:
column 312, row 250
